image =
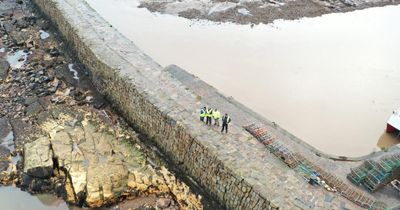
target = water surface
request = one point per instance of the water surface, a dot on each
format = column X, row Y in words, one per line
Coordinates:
column 14, row 199
column 17, row 59
column 332, row 81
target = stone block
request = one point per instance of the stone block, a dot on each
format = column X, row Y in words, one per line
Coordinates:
column 38, row 158
column 4, row 66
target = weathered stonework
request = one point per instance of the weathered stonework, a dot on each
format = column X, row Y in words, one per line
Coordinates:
column 234, row 168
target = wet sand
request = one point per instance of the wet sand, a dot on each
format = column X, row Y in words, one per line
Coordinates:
column 332, row 81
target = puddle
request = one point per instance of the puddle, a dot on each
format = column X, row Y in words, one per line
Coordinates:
column 387, row 140
column 15, row 159
column 71, row 69
column 14, row 198
column 44, row 34
column 8, row 141
column 332, row 81
column 17, row 59
column 244, row 12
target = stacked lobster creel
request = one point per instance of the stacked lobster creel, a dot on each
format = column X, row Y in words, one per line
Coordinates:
column 262, row 134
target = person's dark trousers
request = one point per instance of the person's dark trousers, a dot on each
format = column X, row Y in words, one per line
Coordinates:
column 216, row 122
column 202, row 119
column 208, row 122
column 224, row 126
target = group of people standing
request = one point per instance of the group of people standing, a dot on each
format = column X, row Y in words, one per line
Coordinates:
column 208, row 114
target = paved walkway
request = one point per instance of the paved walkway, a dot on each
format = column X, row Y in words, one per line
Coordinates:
column 150, row 89
column 242, row 116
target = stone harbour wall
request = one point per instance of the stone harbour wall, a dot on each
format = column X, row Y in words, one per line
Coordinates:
column 155, row 115
column 164, row 109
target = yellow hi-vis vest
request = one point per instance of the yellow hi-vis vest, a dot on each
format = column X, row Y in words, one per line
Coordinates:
column 216, row 114
column 202, row 112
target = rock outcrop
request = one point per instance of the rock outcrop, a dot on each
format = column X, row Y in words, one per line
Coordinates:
column 38, row 162
column 97, row 164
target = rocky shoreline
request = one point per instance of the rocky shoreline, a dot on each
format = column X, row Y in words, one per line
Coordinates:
column 257, row 11
column 57, row 133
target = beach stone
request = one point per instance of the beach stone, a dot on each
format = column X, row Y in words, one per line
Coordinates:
column 25, row 180
column 4, row 66
column 30, row 100
column 34, row 109
column 163, row 203
column 3, row 165
column 5, row 127
column 5, row 130
column 40, row 185
column 22, row 131
column 146, row 207
column 4, row 151
column 62, row 73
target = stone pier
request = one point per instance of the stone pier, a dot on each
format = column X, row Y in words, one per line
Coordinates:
column 235, row 168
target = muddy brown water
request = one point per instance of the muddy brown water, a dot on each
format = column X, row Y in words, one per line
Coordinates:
column 332, row 81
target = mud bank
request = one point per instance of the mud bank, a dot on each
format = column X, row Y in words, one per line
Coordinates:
column 257, row 11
